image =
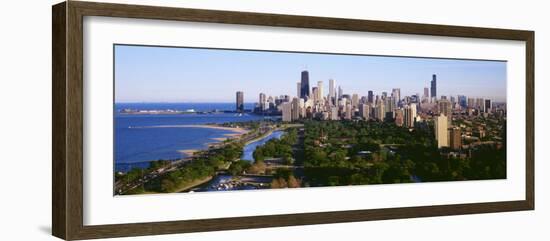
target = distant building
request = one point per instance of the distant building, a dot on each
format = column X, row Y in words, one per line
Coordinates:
column 299, row 89
column 434, row 86
column 462, row 101
column 349, row 111
column 342, row 102
column 302, row 108
column 453, row 101
column 480, row 104
column 396, row 94
column 287, row 111
column 409, row 115
column 296, row 112
column 334, row 113
column 440, row 129
column 263, row 102
column 370, row 97
column 426, row 93
column 332, row 92
column 304, row 90
column 488, row 106
column 455, row 140
column 363, row 100
column 315, row 94
column 444, row 107
column 471, row 102
column 364, row 111
column 399, row 117
column 354, row 101
column 320, row 91
column 240, row 101
column 379, row 111
column 346, row 96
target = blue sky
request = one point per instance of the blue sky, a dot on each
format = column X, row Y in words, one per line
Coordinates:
column 165, row 74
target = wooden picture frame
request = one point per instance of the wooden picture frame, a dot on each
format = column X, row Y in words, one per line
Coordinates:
column 67, row 152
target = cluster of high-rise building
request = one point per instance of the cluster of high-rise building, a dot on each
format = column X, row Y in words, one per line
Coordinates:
column 406, row 111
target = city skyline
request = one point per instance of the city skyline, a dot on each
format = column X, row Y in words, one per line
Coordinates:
column 211, row 75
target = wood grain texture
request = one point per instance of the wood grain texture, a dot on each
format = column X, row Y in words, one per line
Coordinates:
column 530, row 120
column 59, row 127
column 74, row 121
column 67, row 100
column 279, row 20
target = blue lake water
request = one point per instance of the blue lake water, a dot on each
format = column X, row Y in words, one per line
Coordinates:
column 137, row 142
column 248, row 150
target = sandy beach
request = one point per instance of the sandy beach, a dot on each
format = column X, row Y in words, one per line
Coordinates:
column 220, row 139
column 189, row 152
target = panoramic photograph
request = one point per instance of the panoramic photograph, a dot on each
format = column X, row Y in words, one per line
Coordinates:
column 204, row 120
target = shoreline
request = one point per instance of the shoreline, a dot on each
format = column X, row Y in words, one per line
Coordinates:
column 238, row 130
column 193, row 184
column 189, row 152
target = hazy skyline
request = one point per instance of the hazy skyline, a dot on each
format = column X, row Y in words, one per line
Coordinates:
column 168, row 74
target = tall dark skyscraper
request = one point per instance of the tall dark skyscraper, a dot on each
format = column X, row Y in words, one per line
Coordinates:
column 434, row 86
column 304, row 90
column 240, row 101
column 370, row 97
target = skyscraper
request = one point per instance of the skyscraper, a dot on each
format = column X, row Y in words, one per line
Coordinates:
column 488, row 106
column 340, row 92
column 409, row 115
column 299, row 89
column 354, row 101
column 334, row 113
column 434, row 86
column 287, row 111
column 364, row 111
column 348, row 111
column 389, row 107
column 426, row 93
column 453, row 101
column 462, row 101
column 455, row 140
column 315, row 94
column 399, row 117
column 440, row 128
column 320, row 91
column 332, row 92
column 302, row 107
column 471, row 102
column 480, row 104
column 396, row 94
column 262, row 102
column 296, row 109
column 240, row 101
column 444, row 107
column 304, row 90
column 370, row 97
column 379, row 112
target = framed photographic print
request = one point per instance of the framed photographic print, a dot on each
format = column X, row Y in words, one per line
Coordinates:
column 171, row 120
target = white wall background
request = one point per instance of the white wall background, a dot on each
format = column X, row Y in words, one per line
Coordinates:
column 25, row 119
